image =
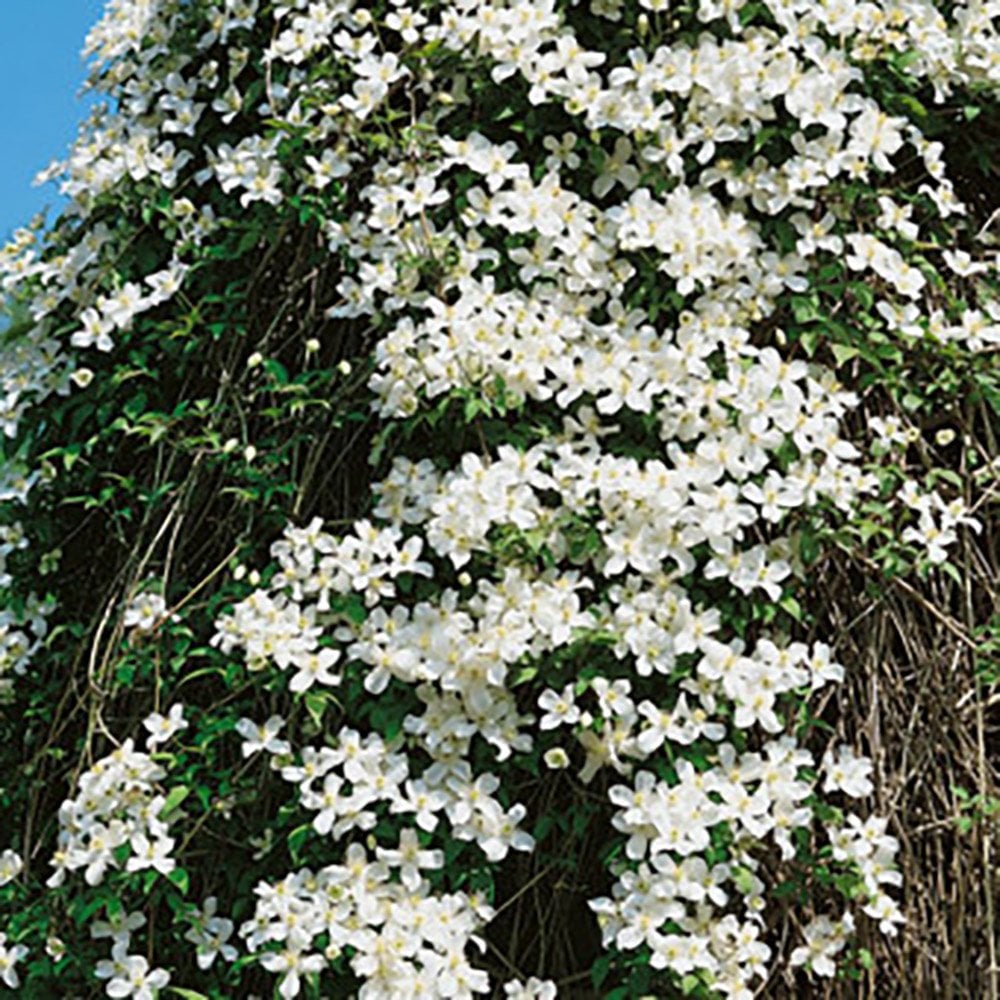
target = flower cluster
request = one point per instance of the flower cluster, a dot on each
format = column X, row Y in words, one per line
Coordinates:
column 759, row 795
column 118, row 803
column 126, row 975
column 404, row 940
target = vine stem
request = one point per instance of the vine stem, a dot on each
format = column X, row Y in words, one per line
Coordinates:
column 993, row 972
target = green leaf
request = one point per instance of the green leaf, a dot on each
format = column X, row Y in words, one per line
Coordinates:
column 912, row 105
column 179, row 877
column 524, row 675
column 70, row 454
column 843, row 352
column 864, row 294
column 174, row 798
column 277, row 371
column 808, row 547
column 599, row 970
column 297, row 838
column 792, row 606
column 247, row 241
column 743, row 880
column 316, row 702
column 805, row 309
column 906, row 59
column 809, row 339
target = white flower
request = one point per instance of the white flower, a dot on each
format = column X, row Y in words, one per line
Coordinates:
column 145, row 611
column 154, row 854
column 162, row 727
column 210, row 934
column 885, row 910
column 82, row 377
column 410, row 858
column 533, row 989
column 9, row 957
column 293, row 964
column 11, row 866
column 262, row 736
column 962, row 264
column 847, row 773
column 824, row 939
column 314, row 668
column 130, row 975
column 138, row 981
column 119, row 927
column 560, row 709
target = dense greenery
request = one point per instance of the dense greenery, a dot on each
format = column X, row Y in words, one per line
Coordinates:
column 431, row 437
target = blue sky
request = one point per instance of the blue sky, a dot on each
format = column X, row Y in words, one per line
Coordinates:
column 40, row 76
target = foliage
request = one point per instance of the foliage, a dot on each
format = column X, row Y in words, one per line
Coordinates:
column 426, row 432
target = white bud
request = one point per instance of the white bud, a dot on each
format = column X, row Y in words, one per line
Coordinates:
column 255, row 359
column 344, row 368
column 82, row 377
column 556, row 758
column 312, row 345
